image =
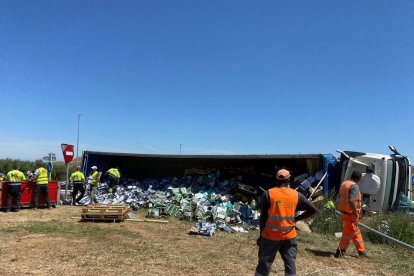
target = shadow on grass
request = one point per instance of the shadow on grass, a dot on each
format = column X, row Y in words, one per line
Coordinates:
column 320, row 253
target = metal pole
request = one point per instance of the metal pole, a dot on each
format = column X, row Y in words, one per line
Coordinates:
column 391, row 239
column 317, row 186
column 180, row 149
column 67, row 181
column 77, row 143
column 50, row 160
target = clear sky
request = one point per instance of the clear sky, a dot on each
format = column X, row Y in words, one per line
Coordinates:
column 218, row 77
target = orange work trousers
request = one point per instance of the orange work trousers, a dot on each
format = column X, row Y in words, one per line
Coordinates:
column 351, row 232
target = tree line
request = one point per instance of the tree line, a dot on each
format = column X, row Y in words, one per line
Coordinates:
column 58, row 172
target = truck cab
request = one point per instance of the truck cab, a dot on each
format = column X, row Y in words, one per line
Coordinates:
column 384, row 178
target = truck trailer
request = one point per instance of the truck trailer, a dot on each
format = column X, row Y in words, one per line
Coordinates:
column 392, row 170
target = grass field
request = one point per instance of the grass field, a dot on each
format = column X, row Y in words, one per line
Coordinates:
column 46, row 242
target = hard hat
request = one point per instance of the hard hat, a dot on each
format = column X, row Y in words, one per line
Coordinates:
column 282, row 174
column 94, row 167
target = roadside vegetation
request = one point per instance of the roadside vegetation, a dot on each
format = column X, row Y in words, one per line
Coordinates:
column 58, row 173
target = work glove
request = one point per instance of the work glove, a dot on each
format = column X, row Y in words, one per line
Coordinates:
column 258, row 241
column 355, row 218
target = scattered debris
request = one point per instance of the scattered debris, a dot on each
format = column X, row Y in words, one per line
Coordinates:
column 310, row 186
column 198, row 197
column 202, row 196
column 303, row 227
column 403, row 203
column 203, row 229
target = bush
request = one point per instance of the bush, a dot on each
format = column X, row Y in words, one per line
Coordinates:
column 400, row 226
column 325, row 221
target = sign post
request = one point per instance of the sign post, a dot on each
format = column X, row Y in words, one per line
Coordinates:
column 67, row 151
column 50, row 169
column 50, row 157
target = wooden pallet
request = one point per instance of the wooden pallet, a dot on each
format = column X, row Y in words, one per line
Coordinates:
column 105, row 213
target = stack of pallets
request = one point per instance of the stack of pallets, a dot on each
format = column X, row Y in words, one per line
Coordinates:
column 105, row 213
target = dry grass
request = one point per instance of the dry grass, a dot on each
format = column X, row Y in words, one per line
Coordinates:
column 47, row 242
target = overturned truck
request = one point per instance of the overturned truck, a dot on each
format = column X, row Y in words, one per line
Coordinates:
column 392, row 171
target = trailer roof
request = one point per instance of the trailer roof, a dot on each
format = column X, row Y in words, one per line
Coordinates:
column 133, row 164
column 175, row 156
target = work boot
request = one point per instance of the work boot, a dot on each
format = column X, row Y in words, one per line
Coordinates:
column 339, row 253
column 363, row 254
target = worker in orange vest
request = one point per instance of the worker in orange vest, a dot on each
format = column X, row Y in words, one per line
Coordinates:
column 349, row 204
column 277, row 224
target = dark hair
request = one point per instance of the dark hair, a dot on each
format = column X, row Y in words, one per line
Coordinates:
column 356, row 175
column 282, row 182
column 16, row 166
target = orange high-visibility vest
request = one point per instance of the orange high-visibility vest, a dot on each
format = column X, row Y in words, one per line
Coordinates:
column 344, row 202
column 280, row 224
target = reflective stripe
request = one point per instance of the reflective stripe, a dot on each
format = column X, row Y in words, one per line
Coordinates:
column 280, row 228
column 14, row 183
column 278, row 218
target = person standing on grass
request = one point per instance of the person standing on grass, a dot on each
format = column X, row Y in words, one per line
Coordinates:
column 277, row 224
column 349, row 204
column 94, row 185
column 15, row 178
column 78, row 180
column 42, row 185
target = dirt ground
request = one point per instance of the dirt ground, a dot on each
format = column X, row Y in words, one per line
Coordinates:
column 46, row 242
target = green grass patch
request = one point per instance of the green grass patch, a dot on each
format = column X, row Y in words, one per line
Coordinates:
column 397, row 225
column 55, row 227
column 59, row 228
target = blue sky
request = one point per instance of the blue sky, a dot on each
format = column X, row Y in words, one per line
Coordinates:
column 218, row 77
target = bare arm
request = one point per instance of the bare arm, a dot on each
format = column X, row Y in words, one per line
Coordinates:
column 305, row 205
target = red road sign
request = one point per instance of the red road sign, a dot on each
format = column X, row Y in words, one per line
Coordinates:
column 68, row 152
